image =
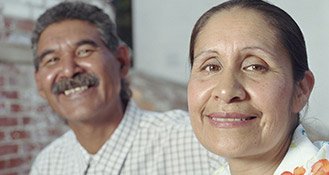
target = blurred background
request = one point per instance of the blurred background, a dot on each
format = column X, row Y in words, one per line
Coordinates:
column 157, row 32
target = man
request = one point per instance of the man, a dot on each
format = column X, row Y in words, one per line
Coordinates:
column 80, row 69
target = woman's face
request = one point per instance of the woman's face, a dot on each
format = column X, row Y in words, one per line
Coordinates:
column 241, row 89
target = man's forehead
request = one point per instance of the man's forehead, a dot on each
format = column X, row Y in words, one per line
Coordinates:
column 68, row 32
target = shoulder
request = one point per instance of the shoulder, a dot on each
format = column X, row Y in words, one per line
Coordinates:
column 303, row 154
column 55, row 149
column 165, row 128
column 168, row 119
column 320, row 162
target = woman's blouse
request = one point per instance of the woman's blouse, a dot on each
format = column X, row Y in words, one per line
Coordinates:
column 302, row 156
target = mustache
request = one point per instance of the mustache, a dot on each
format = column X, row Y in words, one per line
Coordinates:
column 79, row 80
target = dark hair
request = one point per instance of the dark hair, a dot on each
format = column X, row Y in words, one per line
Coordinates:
column 289, row 34
column 85, row 12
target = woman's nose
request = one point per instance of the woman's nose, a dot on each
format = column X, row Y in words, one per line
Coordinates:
column 229, row 89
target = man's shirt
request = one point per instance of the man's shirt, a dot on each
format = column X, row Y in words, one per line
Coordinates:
column 144, row 143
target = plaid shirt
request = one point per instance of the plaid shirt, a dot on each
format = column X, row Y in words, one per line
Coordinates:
column 144, row 143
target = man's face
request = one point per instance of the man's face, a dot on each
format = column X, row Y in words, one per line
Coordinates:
column 78, row 75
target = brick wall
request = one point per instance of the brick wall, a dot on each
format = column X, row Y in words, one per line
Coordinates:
column 27, row 124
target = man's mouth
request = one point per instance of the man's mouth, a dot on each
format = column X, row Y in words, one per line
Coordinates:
column 76, row 84
column 75, row 90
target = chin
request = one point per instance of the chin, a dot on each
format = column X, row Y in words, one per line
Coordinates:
column 226, row 147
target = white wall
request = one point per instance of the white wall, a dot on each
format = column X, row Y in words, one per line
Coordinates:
column 162, row 30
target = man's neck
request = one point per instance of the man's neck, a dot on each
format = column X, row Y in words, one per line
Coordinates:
column 93, row 134
column 92, row 138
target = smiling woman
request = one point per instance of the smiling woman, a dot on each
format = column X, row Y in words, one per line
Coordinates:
column 249, row 81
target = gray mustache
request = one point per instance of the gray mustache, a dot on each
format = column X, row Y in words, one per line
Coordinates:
column 84, row 79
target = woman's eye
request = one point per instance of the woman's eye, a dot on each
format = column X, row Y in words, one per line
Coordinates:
column 212, row 68
column 257, row 68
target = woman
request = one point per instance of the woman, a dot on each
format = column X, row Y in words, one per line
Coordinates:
column 249, row 81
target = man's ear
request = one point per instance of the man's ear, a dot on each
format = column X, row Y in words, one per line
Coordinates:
column 123, row 55
column 38, row 84
column 303, row 91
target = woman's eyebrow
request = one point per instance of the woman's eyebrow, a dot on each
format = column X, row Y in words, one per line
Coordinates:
column 206, row 52
column 259, row 48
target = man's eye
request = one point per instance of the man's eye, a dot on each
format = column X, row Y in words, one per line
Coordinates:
column 51, row 61
column 84, row 53
column 257, row 68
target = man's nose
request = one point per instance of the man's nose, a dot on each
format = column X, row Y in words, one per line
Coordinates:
column 229, row 88
column 70, row 66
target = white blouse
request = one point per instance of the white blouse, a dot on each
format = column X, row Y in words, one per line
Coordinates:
column 302, row 153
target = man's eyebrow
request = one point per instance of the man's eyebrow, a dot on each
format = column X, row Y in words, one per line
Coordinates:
column 88, row 42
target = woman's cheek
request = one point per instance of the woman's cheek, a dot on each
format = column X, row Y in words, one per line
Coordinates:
column 199, row 93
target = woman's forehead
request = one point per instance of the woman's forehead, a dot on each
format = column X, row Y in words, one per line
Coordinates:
column 236, row 26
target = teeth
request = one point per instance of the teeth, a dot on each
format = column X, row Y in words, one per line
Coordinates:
column 75, row 90
column 230, row 119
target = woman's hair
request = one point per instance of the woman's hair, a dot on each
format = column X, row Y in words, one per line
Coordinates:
column 85, row 12
column 288, row 32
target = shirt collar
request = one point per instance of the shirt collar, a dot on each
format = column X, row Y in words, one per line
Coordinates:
column 114, row 151
column 301, row 150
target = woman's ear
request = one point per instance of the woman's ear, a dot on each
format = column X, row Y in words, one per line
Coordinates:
column 303, row 91
column 123, row 55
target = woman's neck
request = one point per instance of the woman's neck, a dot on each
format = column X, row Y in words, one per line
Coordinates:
column 264, row 164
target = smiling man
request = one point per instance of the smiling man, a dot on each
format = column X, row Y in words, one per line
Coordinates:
column 80, row 69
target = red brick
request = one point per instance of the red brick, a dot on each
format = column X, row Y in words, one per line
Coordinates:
column 2, row 135
column 27, row 120
column 8, row 149
column 11, row 163
column 16, row 108
column 2, row 106
column 9, row 94
column 19, row 135
column 7, row 121
column 13, row 173
column 30, row 147
column 42, row 108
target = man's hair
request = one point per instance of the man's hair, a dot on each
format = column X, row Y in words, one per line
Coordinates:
column 76, row 11
column 84, row 12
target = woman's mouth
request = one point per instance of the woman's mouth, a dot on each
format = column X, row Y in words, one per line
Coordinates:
column 232, row 119
column 224, row 120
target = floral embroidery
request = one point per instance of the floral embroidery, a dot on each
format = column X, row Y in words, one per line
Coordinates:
column 297, row 171
column 321, row 167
